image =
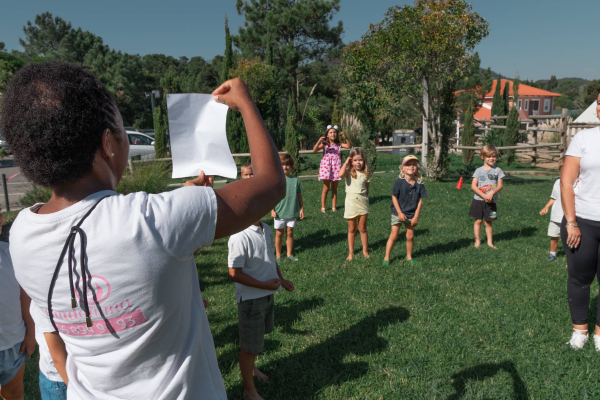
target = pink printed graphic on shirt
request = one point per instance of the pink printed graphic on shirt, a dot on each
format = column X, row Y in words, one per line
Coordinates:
column 98, row 286
column 101, row 327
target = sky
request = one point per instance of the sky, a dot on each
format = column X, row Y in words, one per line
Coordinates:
column 534, row 38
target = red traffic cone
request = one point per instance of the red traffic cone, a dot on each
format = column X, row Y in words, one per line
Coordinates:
column 459, row 184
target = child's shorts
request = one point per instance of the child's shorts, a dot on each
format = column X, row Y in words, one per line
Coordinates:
column 396, row 221
column 256, row 318
column 483, row 210
column 51, row 390
column 554, row 229
column 11, row 362
column 282, row 223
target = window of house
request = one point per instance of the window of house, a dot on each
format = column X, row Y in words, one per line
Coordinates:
column 526, row 105
column 546, row 105
column 520, row 104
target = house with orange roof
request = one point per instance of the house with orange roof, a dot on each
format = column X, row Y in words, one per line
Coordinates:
column 532, row 101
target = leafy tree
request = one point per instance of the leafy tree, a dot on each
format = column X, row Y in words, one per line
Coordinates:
column 292, row 145
column 427, row 43
column 473, row 85
column 294, row 31
column 160, row 136
column 2, row 45
column 591, row 92
column 468, row 137
column 552, row 83
column 5, row 74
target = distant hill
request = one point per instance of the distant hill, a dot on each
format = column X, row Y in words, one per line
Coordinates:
column 577, row 81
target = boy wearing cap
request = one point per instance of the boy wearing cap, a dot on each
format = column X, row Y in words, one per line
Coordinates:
column 407, row 199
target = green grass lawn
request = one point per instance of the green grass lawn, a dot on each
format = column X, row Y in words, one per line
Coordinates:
column 465, row 323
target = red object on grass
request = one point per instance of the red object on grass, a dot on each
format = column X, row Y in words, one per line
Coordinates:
column 459, row 184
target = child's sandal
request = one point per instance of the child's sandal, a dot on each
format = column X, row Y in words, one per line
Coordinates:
column 322, row 211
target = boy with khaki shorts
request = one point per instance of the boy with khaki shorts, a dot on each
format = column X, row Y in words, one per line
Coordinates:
column 556, row 215
column 257, row 278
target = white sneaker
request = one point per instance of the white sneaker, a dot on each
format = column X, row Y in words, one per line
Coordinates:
column 578, row 340
column 597, row 342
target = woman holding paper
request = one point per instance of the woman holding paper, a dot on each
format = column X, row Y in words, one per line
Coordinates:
column 330, row 163
column 138, row 328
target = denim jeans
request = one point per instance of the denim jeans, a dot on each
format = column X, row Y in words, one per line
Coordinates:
column 51, row 390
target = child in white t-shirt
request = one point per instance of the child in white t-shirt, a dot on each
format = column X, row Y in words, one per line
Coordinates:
column 556, row 215
column 257, row 278
column 17, row 331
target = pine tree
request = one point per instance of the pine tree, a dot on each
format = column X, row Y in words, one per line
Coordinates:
column 468, row 137
column 228, row 64
column 160, row 137
column 291, row 135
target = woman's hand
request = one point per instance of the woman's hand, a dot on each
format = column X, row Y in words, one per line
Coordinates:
column 574, row 236
column 234, row 93
column 200, row 180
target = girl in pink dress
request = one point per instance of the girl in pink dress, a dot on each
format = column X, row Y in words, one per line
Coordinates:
column 330, row 163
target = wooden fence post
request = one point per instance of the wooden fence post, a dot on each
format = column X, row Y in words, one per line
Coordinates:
column 563, row 135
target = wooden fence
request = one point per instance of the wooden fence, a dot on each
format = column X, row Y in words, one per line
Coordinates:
column 533, row 119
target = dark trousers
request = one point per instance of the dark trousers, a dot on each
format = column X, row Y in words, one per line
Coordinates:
column 583, row 267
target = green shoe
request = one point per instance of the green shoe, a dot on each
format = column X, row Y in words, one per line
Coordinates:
column 293, row 258
column 385, row 263
column 413, row 262
column 278, row 260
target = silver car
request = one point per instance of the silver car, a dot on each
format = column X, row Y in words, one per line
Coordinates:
column 141, row 145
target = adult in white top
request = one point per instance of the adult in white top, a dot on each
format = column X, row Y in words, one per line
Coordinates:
column 148, row 335
column 580, row 230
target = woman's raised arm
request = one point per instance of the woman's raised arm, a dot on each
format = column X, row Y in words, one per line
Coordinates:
column 243, row 202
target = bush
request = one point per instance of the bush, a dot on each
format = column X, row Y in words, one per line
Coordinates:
column 37, row 194
column 152, row 178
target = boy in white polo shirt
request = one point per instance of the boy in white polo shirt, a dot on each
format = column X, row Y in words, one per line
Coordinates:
column 257, row 277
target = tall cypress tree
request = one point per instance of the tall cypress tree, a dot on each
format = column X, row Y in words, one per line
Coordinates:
column 160, row 137
column 468, row 137
column 335, row 118
column 228, row 64
column 506, row 99
column 291, row 135
column 498, row 99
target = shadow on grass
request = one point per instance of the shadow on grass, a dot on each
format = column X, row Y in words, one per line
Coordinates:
column 482, row 371
column 286, row 315
column 401, row 239
column 458, row 244
column 305, row 374
column 317, row 240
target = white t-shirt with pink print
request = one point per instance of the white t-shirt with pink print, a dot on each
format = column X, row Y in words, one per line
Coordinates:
column 150, row 337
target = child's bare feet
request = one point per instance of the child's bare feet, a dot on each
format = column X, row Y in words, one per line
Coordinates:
column 492, row 246
column 251, row 394
column 477, row 243
column 260, row 375
column 366, row 255
column 349, row 258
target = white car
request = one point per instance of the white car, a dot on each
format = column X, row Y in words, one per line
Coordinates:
column 141, row 145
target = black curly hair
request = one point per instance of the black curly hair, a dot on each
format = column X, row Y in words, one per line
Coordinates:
column 53, row 115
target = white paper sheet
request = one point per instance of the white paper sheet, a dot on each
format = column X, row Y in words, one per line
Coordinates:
column 198, row 137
